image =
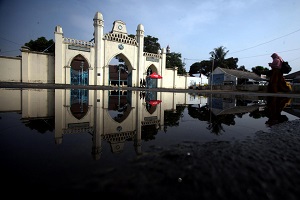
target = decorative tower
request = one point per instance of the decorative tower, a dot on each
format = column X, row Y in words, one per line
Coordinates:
column 140, row 41
column 99, row 48
column 58, row 63
column 168, row 49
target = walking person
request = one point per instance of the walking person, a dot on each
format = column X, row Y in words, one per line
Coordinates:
column 277, row 82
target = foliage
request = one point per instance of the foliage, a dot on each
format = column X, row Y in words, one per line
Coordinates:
column 230, row 63
column 41, row 45
column 151, row 44
column 217, row 60
column 218, row 55
column 242, row 68
column 173, row 118
column 204, row 67
column 174, row 60
column 260, row 70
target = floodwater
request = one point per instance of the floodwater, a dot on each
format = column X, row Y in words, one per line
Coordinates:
column 53, row 137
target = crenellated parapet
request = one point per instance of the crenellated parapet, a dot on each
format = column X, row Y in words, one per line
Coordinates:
column 122, row 38
column 78, row 42
column 146, row 54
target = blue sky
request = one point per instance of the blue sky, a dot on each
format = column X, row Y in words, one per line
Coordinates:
column 251, row 30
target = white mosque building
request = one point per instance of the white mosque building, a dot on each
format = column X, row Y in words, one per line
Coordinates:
column 89, row 63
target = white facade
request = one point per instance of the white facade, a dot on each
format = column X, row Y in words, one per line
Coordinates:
column 82, row 62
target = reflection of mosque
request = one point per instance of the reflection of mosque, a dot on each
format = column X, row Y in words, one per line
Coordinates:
column 118, row 116
column 112, row 116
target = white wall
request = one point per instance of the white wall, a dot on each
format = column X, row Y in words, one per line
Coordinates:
column 10, row 69
column 10, row 100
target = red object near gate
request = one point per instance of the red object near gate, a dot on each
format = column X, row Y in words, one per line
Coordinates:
column 155, row 75
column 154, row 102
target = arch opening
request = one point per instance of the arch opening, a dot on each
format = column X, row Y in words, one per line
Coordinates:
column 151, row 82
column 79, row 71
column 120, row 71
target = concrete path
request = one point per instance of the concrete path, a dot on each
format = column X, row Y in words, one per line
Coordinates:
column 97, row 87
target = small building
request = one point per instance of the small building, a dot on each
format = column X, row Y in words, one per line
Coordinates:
column 197, row 80
column 294, row 80
column 223, row 76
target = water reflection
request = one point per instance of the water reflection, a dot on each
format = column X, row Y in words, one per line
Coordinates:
column 118, row 117
column 275, row 106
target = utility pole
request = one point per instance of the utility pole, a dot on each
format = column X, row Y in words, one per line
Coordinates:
column 212, row 67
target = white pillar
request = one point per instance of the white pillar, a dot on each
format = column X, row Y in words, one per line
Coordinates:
column 99, row 49
column 141, row 65
column 58, row 63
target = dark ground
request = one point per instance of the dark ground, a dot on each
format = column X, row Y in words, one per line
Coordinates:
column 266, row 166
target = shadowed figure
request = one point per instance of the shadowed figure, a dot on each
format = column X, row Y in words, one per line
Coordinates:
column 277, row 82
column 275, row 105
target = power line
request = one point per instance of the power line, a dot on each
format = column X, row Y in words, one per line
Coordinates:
column 265, row 42
column 294, row 59
column 10, row 41
column 9, row 51
column 269, row 54
column 191, row 59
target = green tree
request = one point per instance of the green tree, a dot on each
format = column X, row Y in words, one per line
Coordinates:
column 217, row 59
column 151, row 44
column 203, row 67
column 218, row 55
column 260, row 70
column 174, row 60
column 230, row 63
column 42, row 45
column 242, row 68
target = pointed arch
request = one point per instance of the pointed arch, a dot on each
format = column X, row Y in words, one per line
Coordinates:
column 151, row 83
column 79, row 103
column 120, row 70
column 79, row 70
column 119, row 106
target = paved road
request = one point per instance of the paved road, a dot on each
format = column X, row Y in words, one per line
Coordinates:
column 96, row 87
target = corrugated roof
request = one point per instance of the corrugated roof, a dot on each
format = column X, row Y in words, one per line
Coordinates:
column 236, row 110
column 242, row 74
column 293, row 75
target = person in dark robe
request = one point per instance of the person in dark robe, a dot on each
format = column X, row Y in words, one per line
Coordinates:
column 277, row 82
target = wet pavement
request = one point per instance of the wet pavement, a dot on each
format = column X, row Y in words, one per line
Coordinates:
column 98, row 87
column 266, row 166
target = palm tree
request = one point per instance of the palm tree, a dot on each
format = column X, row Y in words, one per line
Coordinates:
column 218, row 55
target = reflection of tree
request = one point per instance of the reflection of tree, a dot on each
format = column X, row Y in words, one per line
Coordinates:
column 240, row 102
column 41, row 125
column 215, row 124
column 201, row 113
column 256, row 114
column 148, row 132
column 172, row 118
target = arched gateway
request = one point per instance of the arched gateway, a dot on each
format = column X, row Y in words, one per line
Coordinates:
column 91, row 63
